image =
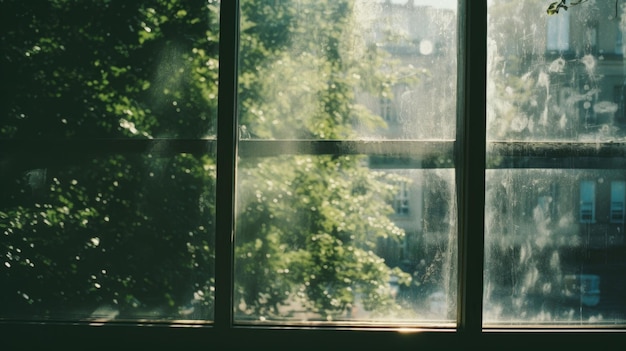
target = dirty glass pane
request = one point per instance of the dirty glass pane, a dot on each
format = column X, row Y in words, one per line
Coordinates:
column 349, row 69
column 329, row 237
column 322, row 239
column 554, row 234
column 547, row 261
column 107, row 238
column 555, row 77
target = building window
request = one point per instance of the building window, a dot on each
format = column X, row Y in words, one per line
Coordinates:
column 386, row 109
column 619, row 49
column 558, row 32
column 618, row 191
column 619, row 96
column 587, row 201
column 591, row 38
column 401, row 200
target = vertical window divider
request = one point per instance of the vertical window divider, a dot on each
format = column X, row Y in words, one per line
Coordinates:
column 226, row 163
column 470, row 149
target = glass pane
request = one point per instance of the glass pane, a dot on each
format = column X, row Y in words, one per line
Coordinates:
column 102, row 69
column 555, row 77
column 554, row 235
column 333, row 238
column 107, row 238
column 544, row 264
column 318, row 240
column 349, row 69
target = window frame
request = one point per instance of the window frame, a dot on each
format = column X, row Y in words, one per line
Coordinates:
column 469, row 151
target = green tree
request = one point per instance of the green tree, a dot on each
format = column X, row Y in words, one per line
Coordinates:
column 134, row 231
column 308, row 225
column 131, row 231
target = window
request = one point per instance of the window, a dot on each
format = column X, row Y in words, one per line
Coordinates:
column 619, row 42
column 386, row 109
column 587, row 201
column 312, row 213
column 620, row 114
column 141, row 202
column 591, row 38
column 558, row 32
column 401, row 200
column 618, row 191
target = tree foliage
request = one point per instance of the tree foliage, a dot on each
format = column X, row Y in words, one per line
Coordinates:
column 134, row 232
column 554, row 7
column 311, row 220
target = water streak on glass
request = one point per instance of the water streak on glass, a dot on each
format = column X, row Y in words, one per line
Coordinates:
column 554, row 232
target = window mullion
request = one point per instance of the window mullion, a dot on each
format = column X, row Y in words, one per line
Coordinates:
column 470, row 153
column 226, row 163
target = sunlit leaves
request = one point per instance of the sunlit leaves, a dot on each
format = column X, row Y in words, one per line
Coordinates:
column 554, row 7
column 312, row 223
column 98, row 70
column 91, row 62
column 301, row 69
column 135, row 231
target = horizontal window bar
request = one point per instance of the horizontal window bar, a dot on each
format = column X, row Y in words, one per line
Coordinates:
column 260, row 148
column 106, row 146
column 247, row 148
column 557, row 149
column 585, row 155
column 385, row 153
